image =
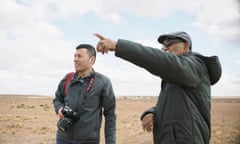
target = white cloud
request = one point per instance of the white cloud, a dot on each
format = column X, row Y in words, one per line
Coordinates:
column 127, row 79
column 238, row 62
column 227, row 86
column 220, row 19
column 35, row 55
column 34, row 66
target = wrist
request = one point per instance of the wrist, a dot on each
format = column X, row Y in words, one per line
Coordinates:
column 114, row 46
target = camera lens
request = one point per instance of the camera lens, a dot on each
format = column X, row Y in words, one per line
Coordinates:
column 64, row 124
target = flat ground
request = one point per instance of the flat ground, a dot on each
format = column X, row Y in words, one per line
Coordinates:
column 31, row 120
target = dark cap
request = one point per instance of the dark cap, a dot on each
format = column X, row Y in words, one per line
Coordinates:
column 179, row 35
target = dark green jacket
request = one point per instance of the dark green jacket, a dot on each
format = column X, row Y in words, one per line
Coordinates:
column 89, row 106
column 182, row 113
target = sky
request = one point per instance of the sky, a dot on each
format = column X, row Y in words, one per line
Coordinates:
column 38, row 40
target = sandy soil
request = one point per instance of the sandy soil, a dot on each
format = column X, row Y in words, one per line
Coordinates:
column 31, row 120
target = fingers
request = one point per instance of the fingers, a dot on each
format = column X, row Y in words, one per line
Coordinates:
column 147, row 122
column 60, row 113
column 147, row 126
column 99, row 36
column 100, row 46
column 104, row 44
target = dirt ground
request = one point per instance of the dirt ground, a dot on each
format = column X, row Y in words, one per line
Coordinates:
column 31, row 120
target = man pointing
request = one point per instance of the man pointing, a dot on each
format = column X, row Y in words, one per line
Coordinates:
column 182, row 112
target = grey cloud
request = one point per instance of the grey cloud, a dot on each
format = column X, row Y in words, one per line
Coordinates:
column 238, row 3
column 234, row 23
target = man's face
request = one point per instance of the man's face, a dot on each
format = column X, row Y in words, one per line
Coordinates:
column 82, row 61
column 175, row 46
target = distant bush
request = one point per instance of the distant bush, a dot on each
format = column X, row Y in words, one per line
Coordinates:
column 45, row 107
column 23, row 106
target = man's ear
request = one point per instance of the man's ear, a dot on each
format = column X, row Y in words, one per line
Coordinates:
column 92, row 59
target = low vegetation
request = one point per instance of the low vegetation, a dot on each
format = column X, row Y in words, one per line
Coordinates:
column 31, row 119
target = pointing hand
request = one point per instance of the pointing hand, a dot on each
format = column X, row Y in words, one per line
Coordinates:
column 104, row 44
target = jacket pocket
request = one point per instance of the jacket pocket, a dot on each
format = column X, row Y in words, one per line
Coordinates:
column 181, row 131
column 84, row 129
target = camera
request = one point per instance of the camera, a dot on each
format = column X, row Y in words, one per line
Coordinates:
column 69, row 118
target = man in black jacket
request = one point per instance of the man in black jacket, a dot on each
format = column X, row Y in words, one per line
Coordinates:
column 80, row 99
column 182, row 113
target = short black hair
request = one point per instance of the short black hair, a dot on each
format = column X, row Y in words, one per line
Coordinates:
column 91, row 50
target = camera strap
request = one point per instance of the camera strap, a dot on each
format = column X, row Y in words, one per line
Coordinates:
column 69, row 77
column 89, row 83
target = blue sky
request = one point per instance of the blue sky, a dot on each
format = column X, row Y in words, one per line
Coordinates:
column 38, row 39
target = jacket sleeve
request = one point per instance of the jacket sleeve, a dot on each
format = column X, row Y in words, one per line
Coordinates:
column 58, row 101
column 150, row 110
column 180, row 70
column 108, row 103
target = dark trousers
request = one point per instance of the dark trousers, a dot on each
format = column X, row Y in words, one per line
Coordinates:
column 60, row 141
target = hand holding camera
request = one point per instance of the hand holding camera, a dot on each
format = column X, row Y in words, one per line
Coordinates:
column 67, row 118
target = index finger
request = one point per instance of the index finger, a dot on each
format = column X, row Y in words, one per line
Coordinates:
column 99, row 36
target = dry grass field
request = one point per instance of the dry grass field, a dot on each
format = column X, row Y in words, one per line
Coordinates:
column 31, row 120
